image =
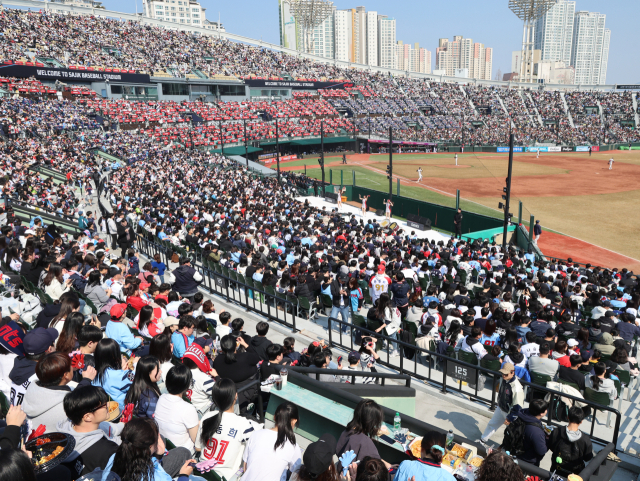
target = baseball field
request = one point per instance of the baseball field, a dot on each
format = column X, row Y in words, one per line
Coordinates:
column 588, row 212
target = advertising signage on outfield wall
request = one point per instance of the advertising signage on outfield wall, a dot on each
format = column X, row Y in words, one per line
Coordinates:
column 506, row 149
column 567, row 149
column 297, row 85
column 582, row 148
column 627, row 87
column 68, row 75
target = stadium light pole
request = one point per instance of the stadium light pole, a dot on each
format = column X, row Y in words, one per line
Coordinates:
column 507, row 197
column 277, row 150
column 391, row 163
column 529, row 11
column 309, row 14
column 246, row 153
column 355, row 141
column 322, row 155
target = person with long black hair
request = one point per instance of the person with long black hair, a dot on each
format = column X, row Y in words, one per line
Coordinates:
column 161, row 348
column 68, row 338
column 358, row 436
column 113, row 375
column 233, row 365
column 601, row 382
column 144, row 392
column 271, row 452
column 16, row 465
column 223, row 434
column 429, row 466
column 135, row 459
column 178, row 420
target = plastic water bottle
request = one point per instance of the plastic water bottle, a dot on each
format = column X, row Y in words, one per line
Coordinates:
column 449, row 440
column 396, row 422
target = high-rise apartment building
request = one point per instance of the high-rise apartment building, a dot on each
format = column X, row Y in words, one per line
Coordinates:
column 353, row 35
column 554, row 32
column 420, row 59
column 590, row 48
column 462, row 53
column 403, row 57
column 347, row 35
column 412, row 58
column 578, row 39
column 186, row 12
column 386, row 42
column 372, row 39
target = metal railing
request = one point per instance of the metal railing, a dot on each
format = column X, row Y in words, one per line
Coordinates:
column 450, row 367
column 279, row 309
column 352, row 374
column 284, row 310
column 28, row 211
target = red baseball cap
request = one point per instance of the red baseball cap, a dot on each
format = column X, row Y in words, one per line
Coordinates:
column 118, row 311
column 144, row 285
column 197, row 355
column 381, row 269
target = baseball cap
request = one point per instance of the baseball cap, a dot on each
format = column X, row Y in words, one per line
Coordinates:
column 507, row 368
column 586, row 355
column 118, row 310
column 342, row 277
column 12, row 337
column 572, row 343
column 606, row 304
column 203, row 341
column 144, row 285
column 197, row 355
column 319, row 455
column 170, row 321
column 38, row 340
column 30, row 231
column 381, row 269
column 354, row 356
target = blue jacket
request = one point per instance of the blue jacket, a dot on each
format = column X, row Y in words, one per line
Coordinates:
column 146, row 407
column 159, row 474
column 400, row 291
column 423, row 470
column 179, row 348
column 116, row 384
column 535, row 441
column 122, row 335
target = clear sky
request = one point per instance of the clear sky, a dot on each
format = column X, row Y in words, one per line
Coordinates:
column 489, row 22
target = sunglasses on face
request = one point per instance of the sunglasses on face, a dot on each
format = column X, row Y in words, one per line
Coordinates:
column 100, row 407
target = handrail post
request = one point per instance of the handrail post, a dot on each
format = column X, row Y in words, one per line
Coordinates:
column 444, row 376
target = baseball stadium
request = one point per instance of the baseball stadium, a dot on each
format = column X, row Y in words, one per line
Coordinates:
column 224, row 259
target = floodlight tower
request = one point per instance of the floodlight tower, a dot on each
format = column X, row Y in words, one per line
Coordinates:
column 529, row 11
column 309, row 14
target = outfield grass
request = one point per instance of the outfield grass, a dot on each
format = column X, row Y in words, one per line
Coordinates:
column 371, row 180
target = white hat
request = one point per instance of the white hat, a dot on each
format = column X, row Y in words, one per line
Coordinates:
column 572, row 343
column 30, row 231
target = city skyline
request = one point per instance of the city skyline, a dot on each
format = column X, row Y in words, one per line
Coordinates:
column 492, row 24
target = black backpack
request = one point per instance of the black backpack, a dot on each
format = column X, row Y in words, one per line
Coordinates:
column 513, row 440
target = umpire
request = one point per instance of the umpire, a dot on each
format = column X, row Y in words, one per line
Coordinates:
column 457, row 221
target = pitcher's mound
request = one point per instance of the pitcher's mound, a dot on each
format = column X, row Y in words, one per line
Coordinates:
column 452, row 166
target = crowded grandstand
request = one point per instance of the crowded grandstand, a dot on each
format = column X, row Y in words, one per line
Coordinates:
column 136, row 258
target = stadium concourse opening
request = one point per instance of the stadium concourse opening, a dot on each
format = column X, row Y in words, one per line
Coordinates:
column 157, row 292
